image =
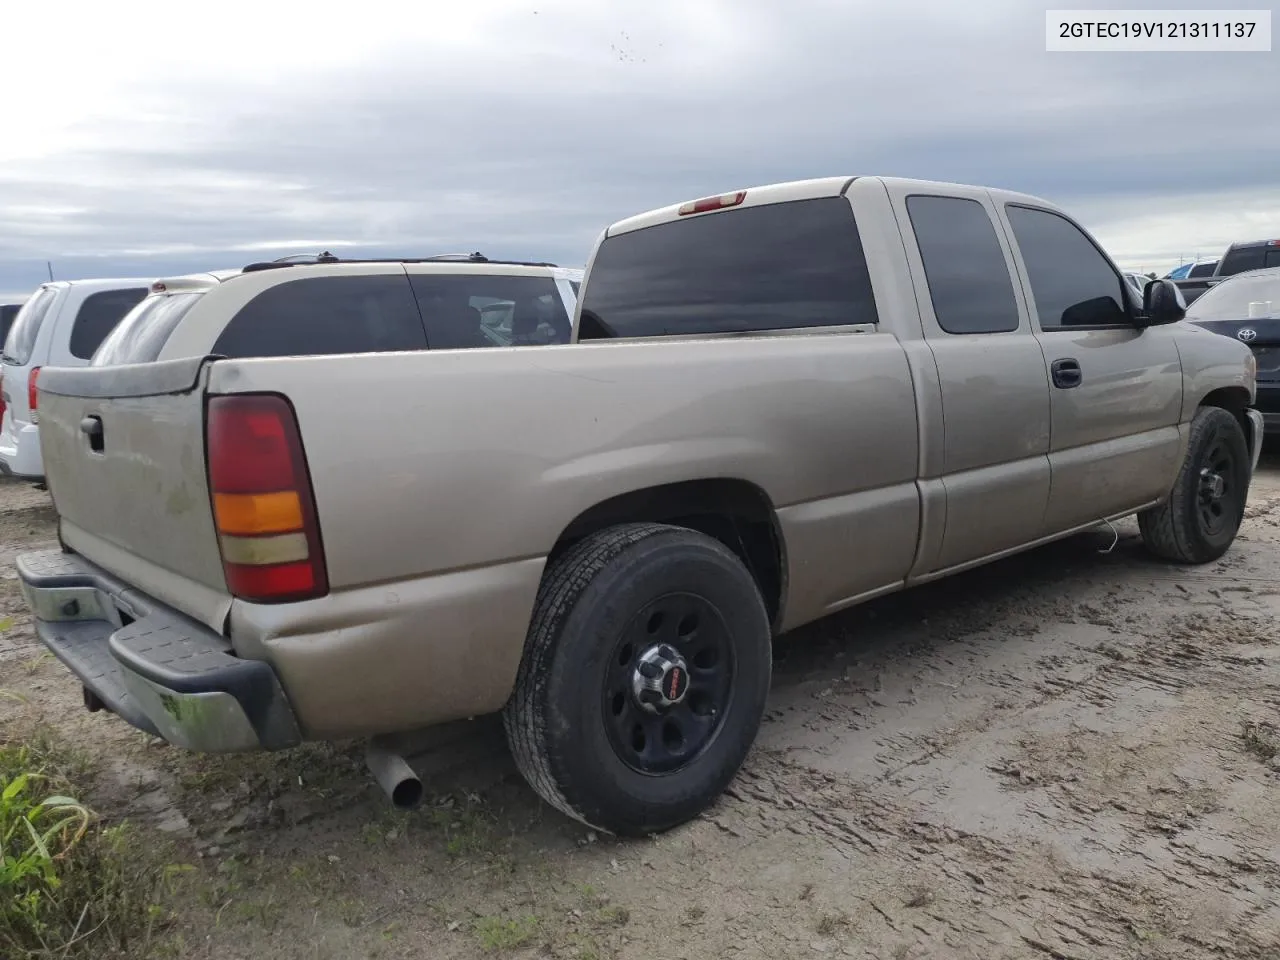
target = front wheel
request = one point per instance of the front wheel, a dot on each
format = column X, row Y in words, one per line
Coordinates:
column 644, row 678
column 1199, row 521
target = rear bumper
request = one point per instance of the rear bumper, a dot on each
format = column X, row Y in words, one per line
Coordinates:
column 151, row 666
column 20, row 453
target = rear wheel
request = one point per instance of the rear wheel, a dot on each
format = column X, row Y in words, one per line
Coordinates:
column 644, row 678
column 1199, row 521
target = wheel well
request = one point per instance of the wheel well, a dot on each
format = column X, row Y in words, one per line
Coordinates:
column 1234, row 400
column 737, row 513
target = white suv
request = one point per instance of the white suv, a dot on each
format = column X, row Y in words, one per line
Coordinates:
column 61, row 324
column 332, row 306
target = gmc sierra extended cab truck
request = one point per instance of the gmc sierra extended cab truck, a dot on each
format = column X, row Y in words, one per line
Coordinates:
column 777, row 403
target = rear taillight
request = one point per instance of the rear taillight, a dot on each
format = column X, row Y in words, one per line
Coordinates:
column 262, row 500
column 1, row 396
column 32, row 395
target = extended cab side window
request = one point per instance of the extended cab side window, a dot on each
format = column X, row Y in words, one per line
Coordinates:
column 1073, row 284
column 468, row 310
column 968, row 277
column 98, row 316
column 777, row 266
column 326, row 315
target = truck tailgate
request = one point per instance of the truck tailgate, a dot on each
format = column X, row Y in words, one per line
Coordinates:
column 125, row 464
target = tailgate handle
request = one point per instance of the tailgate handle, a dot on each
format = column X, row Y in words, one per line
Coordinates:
column 91, row 427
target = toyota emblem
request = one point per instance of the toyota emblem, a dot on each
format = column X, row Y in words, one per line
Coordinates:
column 1247, row 334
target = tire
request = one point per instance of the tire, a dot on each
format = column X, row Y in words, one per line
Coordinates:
column 1200, row 519
column 602, row 609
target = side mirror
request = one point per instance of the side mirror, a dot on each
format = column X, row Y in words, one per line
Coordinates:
column 1162, row 303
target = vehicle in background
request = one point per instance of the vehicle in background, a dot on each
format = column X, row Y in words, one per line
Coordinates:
column 8, row 311
column 326, row 305
column 1254, row 255
column 601, row 538
column 1239, row 258
column 61, row 324
column 1138, row 281
column 1247, row 308
column 1192, row 270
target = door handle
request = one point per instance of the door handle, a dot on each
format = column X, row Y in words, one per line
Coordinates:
column 1066, row 373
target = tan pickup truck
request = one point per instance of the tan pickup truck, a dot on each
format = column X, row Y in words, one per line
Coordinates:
column 777, row 403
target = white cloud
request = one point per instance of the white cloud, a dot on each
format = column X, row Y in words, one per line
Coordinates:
column 1157, row 233
column 174, row 137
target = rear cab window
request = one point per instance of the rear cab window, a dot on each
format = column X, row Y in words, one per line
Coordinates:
column 142, row 333
column 1240, row 259
column 21, row 341
column 780, row 266
column 98, row 316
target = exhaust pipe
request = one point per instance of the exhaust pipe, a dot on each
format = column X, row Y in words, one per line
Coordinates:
column 394, row 776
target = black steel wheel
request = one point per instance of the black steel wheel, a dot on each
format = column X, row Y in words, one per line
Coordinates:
column 1216, row 500
column 1199, row 520
column 644, row 678
column 667, row 687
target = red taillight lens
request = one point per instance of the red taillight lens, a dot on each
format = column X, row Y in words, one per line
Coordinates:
column 263, row 505
column 31, row 388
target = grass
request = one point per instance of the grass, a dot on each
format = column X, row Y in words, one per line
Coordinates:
column 830, row 924
column 615, row 916
column 320, row 770
column 693, row 915
column 499, row 934
column 468, row 829
column 70, row 886
column 1261, row 739
column 33, row 664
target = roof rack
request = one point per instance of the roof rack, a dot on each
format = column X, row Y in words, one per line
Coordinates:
column 305, row 259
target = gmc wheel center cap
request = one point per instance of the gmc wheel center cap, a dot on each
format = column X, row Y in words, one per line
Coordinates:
column 661, row 678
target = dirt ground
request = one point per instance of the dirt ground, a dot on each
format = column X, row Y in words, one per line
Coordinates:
column 1068, row 755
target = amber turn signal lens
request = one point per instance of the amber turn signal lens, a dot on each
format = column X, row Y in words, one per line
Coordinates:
column 253, row 513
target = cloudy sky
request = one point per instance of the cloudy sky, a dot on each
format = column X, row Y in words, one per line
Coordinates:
column 149, row 139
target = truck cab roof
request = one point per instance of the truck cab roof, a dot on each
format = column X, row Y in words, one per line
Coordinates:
column 811, row 189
